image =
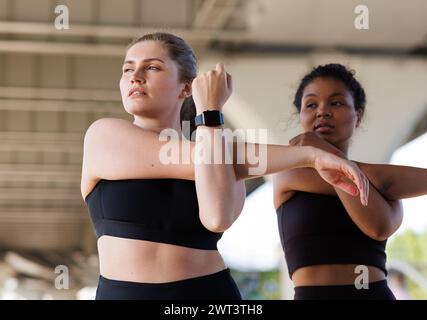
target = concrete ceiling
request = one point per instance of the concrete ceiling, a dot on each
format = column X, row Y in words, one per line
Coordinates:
column 392, row 24
column 103, row 27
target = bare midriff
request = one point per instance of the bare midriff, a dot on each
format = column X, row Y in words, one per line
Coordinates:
column 152, row 262
column 335, row 274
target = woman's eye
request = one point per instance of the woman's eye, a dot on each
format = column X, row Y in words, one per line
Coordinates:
column 311, row 105
column 337, row 103
column 152, row 68
column 126, row 70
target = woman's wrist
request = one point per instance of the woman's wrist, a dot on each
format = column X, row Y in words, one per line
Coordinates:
column 311, row 154
column 317, row 154
column 201, row 110
column 338, row 153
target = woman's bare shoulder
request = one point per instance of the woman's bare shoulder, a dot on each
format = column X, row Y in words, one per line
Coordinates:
column 104, row 125
column 98, row 137
column 116, row 149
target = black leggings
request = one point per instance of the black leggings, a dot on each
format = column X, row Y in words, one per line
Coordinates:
column 217, row 286
column 378, row 290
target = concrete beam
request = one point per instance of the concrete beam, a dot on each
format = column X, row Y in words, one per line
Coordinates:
column 59, row 94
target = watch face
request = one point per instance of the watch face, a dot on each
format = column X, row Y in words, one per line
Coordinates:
column 213, row 118
column 210, row 118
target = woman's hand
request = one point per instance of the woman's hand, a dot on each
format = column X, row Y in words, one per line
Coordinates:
column 212, row 89
column 313, row 140
column 342, row 174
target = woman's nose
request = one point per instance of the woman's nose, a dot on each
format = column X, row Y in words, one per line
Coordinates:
column 137, row 77
column 323, row 111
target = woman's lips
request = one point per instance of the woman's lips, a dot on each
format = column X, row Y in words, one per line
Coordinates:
column 324, row 129
column 137, row 94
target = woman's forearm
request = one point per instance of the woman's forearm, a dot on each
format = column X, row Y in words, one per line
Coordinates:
column 249, row 160
column 220, row 195
column 252, row 160
column 396, row 182
column 379, row 219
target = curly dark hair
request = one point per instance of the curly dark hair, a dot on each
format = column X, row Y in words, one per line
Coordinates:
column 338, row 72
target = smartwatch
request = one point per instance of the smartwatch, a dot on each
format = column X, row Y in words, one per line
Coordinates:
column 209, row 118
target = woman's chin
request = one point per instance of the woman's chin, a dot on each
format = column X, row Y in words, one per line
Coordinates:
column 328, row 138
column 138, row 109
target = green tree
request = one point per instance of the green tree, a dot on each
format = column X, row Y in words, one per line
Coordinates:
column 411, row 247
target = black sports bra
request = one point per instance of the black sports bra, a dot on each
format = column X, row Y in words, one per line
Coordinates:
column 158, row 210
column 316, row 229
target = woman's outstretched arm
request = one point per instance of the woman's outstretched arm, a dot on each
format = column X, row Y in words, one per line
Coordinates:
column 116, row 149
column 394, row 182
column 397, row 182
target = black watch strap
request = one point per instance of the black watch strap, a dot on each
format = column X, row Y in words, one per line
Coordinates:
column 209, row 118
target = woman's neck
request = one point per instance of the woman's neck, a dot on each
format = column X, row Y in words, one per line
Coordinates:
column 157, row 125
column 343, row 147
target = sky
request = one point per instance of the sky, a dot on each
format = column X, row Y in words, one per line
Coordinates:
column 253, row 244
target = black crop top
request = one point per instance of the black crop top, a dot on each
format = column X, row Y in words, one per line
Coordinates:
column 159, row 210
column 316, row 229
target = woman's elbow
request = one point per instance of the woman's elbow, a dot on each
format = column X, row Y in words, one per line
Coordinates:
column 382, row 233
column 390, row 223
column 215, row 222
column 378, row 235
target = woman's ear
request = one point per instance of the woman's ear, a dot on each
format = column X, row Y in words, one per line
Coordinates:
column 186, row 91
column 359, row 113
